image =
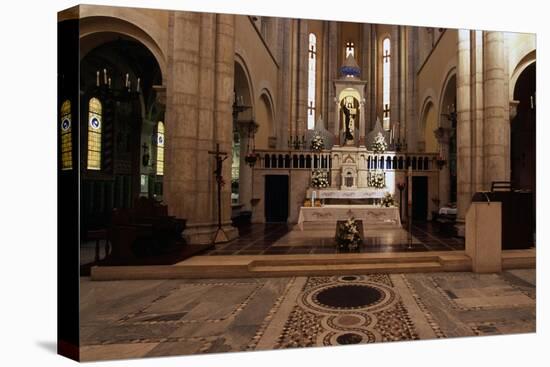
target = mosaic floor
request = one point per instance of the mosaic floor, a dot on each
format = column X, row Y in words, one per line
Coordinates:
column 131, row 319
column 266, row 239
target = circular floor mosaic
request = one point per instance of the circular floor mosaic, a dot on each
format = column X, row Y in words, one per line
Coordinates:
column 349, row 338
column 348, row 296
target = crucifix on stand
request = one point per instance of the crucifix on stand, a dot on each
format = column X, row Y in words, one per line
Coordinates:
column 219, row 235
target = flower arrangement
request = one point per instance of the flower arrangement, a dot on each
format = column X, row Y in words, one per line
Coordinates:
column 317, row 143
column 319, row 178
column 347, row 235
column 387, row 200
column 379, row 145
column 376, row 179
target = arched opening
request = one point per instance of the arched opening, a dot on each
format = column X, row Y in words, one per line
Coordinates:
column 120, row 109
column 265, row 138
column 523, row 129
column 429, row 124
column 447, row 148
column 243, row 112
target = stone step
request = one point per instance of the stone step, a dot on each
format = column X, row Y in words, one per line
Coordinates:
column 345, row 269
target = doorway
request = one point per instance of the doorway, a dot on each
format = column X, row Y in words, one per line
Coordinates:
column 420, row 198
column 276, row 198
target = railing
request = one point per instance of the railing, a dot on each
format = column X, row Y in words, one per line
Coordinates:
column 388, row 161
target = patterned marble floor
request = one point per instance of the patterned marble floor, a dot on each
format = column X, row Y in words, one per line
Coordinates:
column 131, row 319
column 266, row 239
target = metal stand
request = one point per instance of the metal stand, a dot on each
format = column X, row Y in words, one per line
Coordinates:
column 220, row 157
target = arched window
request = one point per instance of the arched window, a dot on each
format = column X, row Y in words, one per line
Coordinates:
column 312, row 53
column 386, row 82
column 350, row 49
column 66, row 136
column 94, row 134
column 160, row 149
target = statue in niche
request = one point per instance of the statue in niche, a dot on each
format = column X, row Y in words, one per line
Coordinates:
column 349, row 109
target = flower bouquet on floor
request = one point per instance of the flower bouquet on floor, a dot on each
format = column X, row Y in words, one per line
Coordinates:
column 348, row 237
column 319, row 178
column 387, row 200
column 317, row 143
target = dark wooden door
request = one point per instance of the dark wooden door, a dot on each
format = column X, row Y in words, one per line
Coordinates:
column 420, row 198
column 276, row 198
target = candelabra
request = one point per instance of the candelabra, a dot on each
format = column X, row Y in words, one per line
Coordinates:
column 295, row 142
column 106, row 82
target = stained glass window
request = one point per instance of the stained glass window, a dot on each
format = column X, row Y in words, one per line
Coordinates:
column 94, row 134
column 350, row 49
column 66, row 136
column 386, row 82
column 160, row 148
column 312, row 53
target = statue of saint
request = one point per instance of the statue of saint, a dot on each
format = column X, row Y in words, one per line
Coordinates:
column 349, row 118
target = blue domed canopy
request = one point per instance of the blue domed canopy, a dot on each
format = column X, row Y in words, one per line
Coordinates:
column 350, row 67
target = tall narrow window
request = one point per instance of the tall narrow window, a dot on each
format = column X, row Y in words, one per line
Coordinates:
column 350, row 49
column 160, row 148
column 312, row 53
column 386, row 82
column 94, row 134
column 66, row 136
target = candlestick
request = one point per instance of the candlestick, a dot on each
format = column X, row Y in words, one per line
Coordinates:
column 137, row 87
column 104, row 76
column 97, row 78
column 127, row 79
column 109, row 82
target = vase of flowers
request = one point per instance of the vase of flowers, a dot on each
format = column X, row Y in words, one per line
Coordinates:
column 348, row 237
column 317, row 143
column 387, row 201
column 379, row 145
column 376, row 179
column 319, row 179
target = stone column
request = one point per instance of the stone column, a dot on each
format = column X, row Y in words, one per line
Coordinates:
column 477, row 109
column 495, row 98
column 367, row 49
column 283, row 82
column 325, row 81
column 303, row 65
column 394, row 80
column 198, row 114
column 373, row 76
column 463, row 129
column 362, row 122
column 223, row 106
column 411, row 121
column 294, row 77
column 179, row 182
column 333, row 67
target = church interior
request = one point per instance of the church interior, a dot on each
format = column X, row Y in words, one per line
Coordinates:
column 251, row 182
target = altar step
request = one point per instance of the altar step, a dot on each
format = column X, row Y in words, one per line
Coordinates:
column 254, row 266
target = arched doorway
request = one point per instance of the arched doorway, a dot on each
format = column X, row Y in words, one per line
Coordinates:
column 119, row 76
column 446, row 135
column 523, row 133
column 243, row 111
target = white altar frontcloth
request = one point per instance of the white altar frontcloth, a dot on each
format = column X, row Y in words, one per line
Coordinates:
column 371, row 215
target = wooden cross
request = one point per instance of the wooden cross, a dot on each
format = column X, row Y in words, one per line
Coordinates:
column 219, row 160
column 220, row 157
column 386, row 56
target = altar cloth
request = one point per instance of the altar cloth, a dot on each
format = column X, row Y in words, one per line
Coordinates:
column 372, row 216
